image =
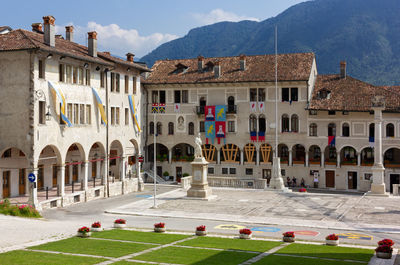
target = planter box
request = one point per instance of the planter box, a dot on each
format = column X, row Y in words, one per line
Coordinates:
column 96, row 229
column 383, row 255
column 83, row 234
column 289, row 239
column 244, row 236
column 119, row 225
column 201, row 233
column 332, row 242
column 159, row 229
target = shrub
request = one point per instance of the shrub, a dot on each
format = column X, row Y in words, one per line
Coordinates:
column 245, row 231
column 386, row 241
column 120, row 221
column 159, row 225
column 166, row 174
column 185, row 174
column 384, row 249
column 84, row 230
column 96, row 225
column 288, row 234
column 332, row 237
column 201, row 228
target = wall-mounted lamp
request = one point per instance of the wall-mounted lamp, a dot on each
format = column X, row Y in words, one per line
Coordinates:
column 49, row 56
column 86, row 65
column 40, row 95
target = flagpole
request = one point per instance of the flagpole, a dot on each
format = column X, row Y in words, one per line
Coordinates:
column 276, row 92
column 154, row 157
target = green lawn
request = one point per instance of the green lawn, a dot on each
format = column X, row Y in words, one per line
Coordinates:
column 148, row 237
column 332, row 252
column 229, row 243
column 130, row 263
column 195, row 256
column 275, row 259
column 93, row 247
column 22, row 257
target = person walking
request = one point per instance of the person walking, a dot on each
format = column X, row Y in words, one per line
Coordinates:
column 288, row 182
column 303, row 183
column 294, row 181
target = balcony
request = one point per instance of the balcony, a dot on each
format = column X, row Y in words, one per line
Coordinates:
column 200, row 110
column 231, row 109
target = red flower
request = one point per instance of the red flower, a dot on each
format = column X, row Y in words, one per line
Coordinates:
column 332, row 237
column 201, row 228
column 387, row 242
column 159, row 225
column 288, row 234
column 245, row 231
column 96, row 225
column 120, row 221
column 384, row 249
column 302, row 190
column 84, row 230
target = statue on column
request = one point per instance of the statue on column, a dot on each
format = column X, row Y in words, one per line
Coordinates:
column 197, row 150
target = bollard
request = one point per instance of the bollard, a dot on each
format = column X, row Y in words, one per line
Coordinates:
column 47, row 193
column 73, row 186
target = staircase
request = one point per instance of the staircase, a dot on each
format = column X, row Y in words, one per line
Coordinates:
column 150, row 173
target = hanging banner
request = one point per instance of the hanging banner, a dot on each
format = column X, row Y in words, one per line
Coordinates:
column 57, row 93
column 253, row 106
column 210, row 131
column 253, row 136
column 133, row 111
column 371, row 141
column 220, row 113
column 220, row 130
column 161, row 108
column 261, row 106
column 209, row 113
column 177, row 107
column 331, row 141
column 154, row 108
column 261, row 136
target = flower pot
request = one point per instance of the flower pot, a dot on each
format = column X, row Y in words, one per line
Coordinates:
column 384, row 255
column 119, row 225
column 96, row 229
column 332, row 242
column 159, row 229
column 201, row 233
column 80, row 234
column 289, row 239
column 245, row 236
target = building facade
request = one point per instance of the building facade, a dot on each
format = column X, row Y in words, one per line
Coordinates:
column 325, row 122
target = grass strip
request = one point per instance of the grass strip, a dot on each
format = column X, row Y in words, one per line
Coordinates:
column 231, row 243
column 195, row 256
column 332, row 252
column 275, row 259
column 93, row 247
column 20, row 257
column 137, row 236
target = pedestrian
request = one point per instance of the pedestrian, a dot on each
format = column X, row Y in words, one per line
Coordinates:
column 303, row 184
column 288, row 181
column 294, row 181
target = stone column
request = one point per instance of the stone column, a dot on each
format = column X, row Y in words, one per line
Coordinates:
column 85, row 175
column 1, row 184
column 307, row 162
column 123, row 169
column 359, row 159
column 241, row 157
column 219, row 157
column 104, row 172
column 290, row 158
column 170, row 156
column 70, row 172
column 61, row 179
column 258, row 158
column 98, row 169
column 322, row 159
column 338, row 160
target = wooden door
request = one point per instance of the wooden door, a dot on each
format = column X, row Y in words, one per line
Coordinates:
column 40, row 178
column 352, row 180
column 94, row 169
column 21, row 181
column 330, row 178
column 54, row 175
column 75, row 173
column 66, row 178
column 6, row 184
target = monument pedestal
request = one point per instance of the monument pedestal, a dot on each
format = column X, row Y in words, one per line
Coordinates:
column 199, row 188
column 378, row 187
column 276, row 182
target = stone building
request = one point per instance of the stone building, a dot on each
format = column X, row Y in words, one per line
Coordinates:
column 325, row 122
column 65, row 110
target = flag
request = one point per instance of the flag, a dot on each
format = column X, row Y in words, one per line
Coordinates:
column 57, row 93
column 220, row 113
column 210, row 131
column 177, row 107
column 371, row 141
column 253, row 106
column 161, row 108
column 209, row 113
column 253, row 136
column 133, row 110
column 154, row 108
column 261, row 136
column 220, row 127
column 100, row 106
column 261, row 106
column 331, row 140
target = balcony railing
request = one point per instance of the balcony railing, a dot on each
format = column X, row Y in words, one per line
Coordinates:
column 200, row 110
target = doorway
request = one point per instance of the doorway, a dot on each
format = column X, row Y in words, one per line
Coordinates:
column 178, row 174
column 330, row 178
column 21, row 181
column 394, row 179
column 94, row 169
column 66, row 177
column 352, row 180
column 159, row 171
column 6, row 184
column 40, row 178
column 54, row 175
column 75, row 173
column 266, row 174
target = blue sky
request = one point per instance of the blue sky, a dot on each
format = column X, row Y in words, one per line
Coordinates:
column 137, row 26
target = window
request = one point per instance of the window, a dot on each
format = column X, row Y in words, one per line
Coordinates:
column 294, row 91
column 202, row 127
column 262, row 124
column 80, row 72
column 69, row 111
column 185, row 96
column 87, row 77
column 42, row 111
column 126, row 116
column 126, row 84
column 285, row 123
column 102, row 75
column 232, row 171
column 295, row 123
column 367, row 176
column 159, row 128
column 332, row 129
column 211, row 170
column 117, row 115
column 285, row 94
column 134, row 85
column 313, row 129
column 69, row 73
column 7, row 153
column 88, row 115
column 177, row 98
column 345, row 112
column 345, row 130
column 76, row 113
column 312, row 112
column 162, row 96
column 231, row 126
column 154, row 96
column 82, row 113
column 224, row 170
column 331, row 112
column 253, row 123
column 112, row 82
column 191, row 128
column 151, row 128
column 372, row 130
column 249, row 171
column 75, row 75
column 253, row 94
column 61, row 74
column 261, row 94
column 112, row 115
column 117, row 79
column 390, row 130
column 41, row 69
column 170, row 128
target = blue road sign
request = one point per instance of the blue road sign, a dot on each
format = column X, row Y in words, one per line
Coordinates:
column 31, row 177
column 266, row 229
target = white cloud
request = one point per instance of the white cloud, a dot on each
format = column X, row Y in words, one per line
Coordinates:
column 218, row 15
column 117, row 40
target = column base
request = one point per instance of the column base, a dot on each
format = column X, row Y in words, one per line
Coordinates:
column 378, row 190
column 276, row 182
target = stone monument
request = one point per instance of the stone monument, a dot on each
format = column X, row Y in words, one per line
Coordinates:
column 199, row 188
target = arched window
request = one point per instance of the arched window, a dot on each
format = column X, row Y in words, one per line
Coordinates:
column 202, row 103
column 295, row 123
column 159, row 128
column 332, row 129
column 253, row 123
column 285, row 123
column 262, row 124
column 345, row 130
column 191, row 128
column 372, row 130
column 313, row 129
column 390, row 130
column 231, row 104
column 170, row 128
column 151, row 128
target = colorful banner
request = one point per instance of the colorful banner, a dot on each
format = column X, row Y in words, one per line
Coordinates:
column 220, row 128
column 261, row 106
column 133, row 110
column 161, row 108
column 220, row 113
column 371, row 141
column 209, row 113
column 210, row 131
column 253, row 106
column 177, row 107
column 331, row 140
column 100, row 107
column 253, row 136
column 261, row 136
column 154, row 108
column 57, row 93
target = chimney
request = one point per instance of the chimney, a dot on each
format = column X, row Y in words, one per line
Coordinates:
column 200, row 63
column 92, row 43
column 242, row 59
column 342, row 69
column 217, row 69
column 37, row 27
column 69, row 33
column 49, row 30
column 129, row 57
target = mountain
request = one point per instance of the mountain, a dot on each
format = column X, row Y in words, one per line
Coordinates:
column 365, row 33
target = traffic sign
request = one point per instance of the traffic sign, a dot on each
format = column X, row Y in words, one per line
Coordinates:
column 141, row 159
column 31, row 177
